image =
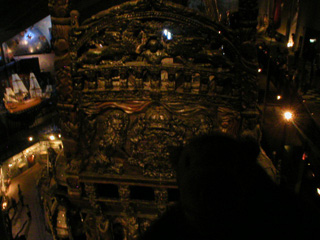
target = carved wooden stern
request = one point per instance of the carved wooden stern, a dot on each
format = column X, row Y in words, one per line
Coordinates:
column 136, row 81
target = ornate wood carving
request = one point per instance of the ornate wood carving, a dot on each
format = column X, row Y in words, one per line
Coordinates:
column 136, row 81
column 140, row 91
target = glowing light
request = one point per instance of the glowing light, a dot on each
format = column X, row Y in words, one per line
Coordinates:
column 259, row 70
column 279, row 97
column 24, row 42
column 167, row 33
column 318, row 191
column 4, row 205
column 10, row 165
column 290, row 44
column 29, row 35
column 59, row 135
column 312, row 40
column 304, row 156
column 169, row 36
column 52, row 137
column 288, row 116
column 219, row 32
column 30, row 139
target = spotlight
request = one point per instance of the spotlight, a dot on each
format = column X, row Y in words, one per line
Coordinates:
column 290, row 44
column 167, row 33
column 288, row 116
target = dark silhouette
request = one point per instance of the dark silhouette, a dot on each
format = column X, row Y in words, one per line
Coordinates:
column 28, row 211
column 225, row 194
column 21, row 200
column 13, row 204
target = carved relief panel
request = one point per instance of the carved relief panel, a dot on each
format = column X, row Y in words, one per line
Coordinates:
column 144, row 136
column 150, row 75
column 136, row 82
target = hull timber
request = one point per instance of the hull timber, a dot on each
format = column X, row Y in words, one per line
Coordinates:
column 21, row 107
column 135, row 82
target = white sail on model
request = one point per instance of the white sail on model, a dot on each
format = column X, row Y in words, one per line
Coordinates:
column 9, row 92
column 18, row 86
column 35, row 90
column 48, row 91
column 15, row 101
column 9, row 96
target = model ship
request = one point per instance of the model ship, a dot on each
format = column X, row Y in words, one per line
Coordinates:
column 19, row 99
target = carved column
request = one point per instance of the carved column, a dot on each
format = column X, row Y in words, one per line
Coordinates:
column 62, row 23
column 248, row 13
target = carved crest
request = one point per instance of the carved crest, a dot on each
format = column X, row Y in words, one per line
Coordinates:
column 135, row 82
column 149, row 76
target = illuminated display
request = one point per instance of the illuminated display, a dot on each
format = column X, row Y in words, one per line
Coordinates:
column 34, row 40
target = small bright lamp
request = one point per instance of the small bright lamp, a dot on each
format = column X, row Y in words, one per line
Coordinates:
column 288, row 116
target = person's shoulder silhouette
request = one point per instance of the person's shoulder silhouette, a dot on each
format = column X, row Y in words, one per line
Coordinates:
column 224, row 194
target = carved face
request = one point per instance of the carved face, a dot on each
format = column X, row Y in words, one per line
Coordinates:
column 117, row 122
column 153, row 45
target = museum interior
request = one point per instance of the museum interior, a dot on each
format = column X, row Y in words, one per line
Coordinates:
column 109, row 111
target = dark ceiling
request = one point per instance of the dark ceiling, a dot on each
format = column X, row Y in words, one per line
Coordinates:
column 18, row 15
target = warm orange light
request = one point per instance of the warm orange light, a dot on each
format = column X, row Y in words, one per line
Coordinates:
column 279, row 97
column 259, row 70
column 30, row 139
column 52, row 137
column 318, row 191
column 288, row 116
column 290, row 43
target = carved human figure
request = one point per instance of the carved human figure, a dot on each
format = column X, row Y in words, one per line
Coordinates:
column 129, row 223
column 123, row 81
column 151, row 136
column 187, row 83
column 91, row 80
column 97, row 227
column 114, row 134
column 154, row 78
column 171, row 82
column 204, row 80
column 154, row 52
column 203, row 125
column 229, row 120
column 138, row 81
column 107, row 78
